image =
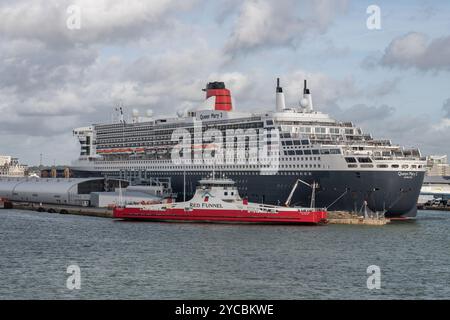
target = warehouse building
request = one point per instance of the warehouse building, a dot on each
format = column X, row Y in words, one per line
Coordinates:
column 70, row 191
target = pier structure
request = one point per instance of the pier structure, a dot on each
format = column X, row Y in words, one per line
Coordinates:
column 344, row 217
column 62, row 209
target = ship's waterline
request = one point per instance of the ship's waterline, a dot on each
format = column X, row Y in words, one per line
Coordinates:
column 337, row 190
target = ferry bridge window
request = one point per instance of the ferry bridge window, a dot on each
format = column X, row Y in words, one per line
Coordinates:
column 307, row 152
column 350, row 160
column 364, row 160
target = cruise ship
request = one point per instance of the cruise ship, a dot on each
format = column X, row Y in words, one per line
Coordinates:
column 266, row 153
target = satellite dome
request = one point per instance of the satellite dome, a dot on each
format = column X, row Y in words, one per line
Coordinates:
column 149, row 113
column 304, row 102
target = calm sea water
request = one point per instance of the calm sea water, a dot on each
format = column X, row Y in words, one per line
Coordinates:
column 129, row 260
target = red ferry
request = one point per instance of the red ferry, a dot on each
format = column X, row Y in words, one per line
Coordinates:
column 218, row 200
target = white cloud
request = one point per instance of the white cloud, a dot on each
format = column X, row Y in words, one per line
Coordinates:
column 416, row 50
column 383, row 88
column 53, row 79
column 325, row 11
column 264, row 23
column 101, row 21
column 446, row 108
column 326, row 90
column 443, row 125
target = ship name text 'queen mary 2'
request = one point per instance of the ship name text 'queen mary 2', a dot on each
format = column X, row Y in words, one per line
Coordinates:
column 265, row 153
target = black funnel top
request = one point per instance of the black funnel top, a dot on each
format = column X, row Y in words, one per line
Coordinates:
column 215, row 85
column 305, row 88
column 279, row 89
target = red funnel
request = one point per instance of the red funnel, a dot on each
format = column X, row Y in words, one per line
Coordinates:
column 222, row 94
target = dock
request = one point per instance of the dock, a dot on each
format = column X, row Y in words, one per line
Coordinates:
column 78, row 196
column 75, row 210
column 435, row 208
column 343, row 217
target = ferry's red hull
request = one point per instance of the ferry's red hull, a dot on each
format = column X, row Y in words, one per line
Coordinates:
column 237, row 216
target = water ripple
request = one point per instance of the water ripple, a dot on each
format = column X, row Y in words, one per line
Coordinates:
column 212, row 261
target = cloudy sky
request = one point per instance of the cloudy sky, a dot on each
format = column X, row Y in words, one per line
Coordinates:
column 158, row 54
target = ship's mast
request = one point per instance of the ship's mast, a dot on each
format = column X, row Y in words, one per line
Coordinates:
column 184, row 182
column 120, row 194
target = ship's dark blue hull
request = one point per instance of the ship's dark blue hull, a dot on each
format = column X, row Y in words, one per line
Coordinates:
column 392, row 192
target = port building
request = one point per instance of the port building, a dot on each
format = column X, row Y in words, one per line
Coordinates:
column 438, row 166
column 10, row 167
column 435, row 187
column 75, row 192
